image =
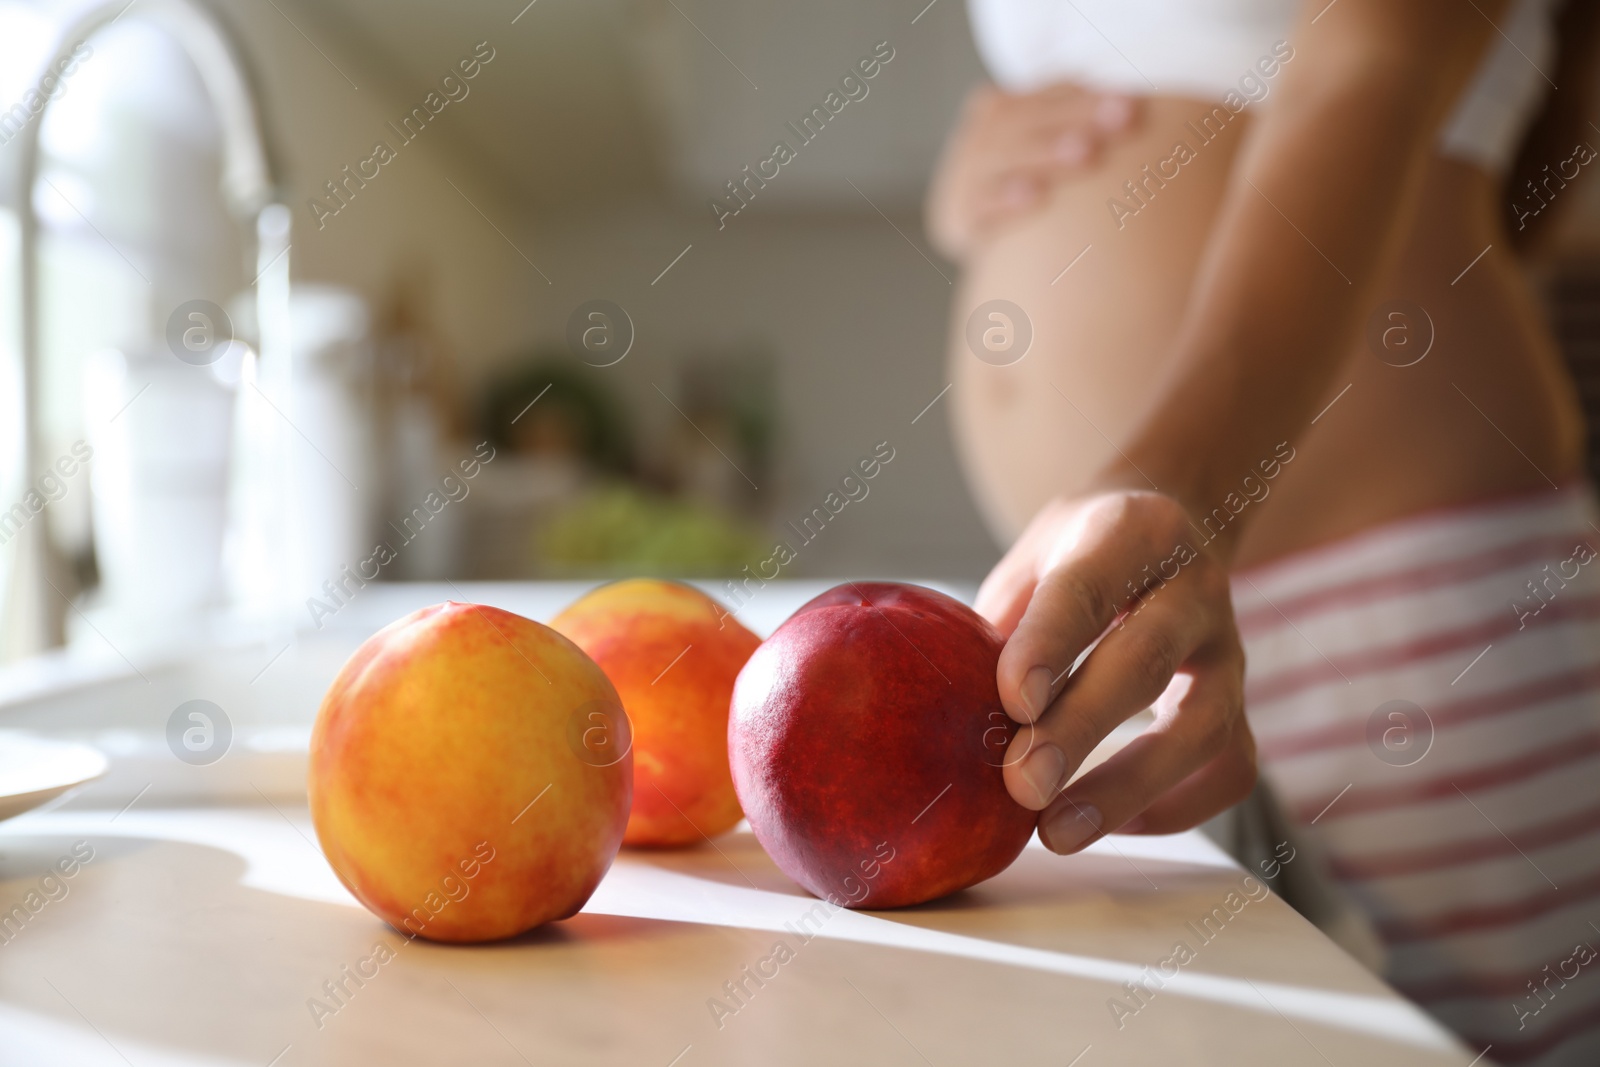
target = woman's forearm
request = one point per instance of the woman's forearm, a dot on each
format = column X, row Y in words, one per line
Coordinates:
column 1314, row 213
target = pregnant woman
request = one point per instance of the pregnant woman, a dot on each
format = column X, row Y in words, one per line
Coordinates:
column 1248, row 377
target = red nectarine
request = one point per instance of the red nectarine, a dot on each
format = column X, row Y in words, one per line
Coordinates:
column 866, row 738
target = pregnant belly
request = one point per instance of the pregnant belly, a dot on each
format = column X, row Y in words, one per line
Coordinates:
column 1097, row 284
column 1094, row 284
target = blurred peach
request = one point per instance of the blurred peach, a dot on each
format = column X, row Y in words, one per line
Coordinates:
column 673, row 654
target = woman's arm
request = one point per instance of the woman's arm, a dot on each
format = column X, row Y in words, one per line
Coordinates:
column 1320, row 199
column 1318, row 203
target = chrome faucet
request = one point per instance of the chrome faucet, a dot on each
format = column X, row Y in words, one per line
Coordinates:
column 251, row 188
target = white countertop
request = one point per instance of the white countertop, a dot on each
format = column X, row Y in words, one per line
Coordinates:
column 202, row 936
column 206, row 925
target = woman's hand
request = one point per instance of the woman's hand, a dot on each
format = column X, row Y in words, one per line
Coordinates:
column 1006, row 152
column 1129, row 566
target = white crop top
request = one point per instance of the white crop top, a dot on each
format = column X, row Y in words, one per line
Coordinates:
column 1207, row 48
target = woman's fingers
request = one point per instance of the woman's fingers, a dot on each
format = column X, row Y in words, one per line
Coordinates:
column 1027, row 143
column 1020, row 162
column 1196, row 761
column 1057, row 127
column 1065, row 105
column 1090, row 567
column 1114, row 112
column 1128, row 671
column 1211, row 790
column 1007, row 152
column 1019, row 181
column 1113, row 584
column 1004, row 594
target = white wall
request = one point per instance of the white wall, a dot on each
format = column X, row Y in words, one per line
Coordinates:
column 854, row 318
column 852, row 313
column 570, row 145
column 409, row 217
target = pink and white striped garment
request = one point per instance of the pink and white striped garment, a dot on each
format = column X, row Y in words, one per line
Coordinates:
column 1427, row 694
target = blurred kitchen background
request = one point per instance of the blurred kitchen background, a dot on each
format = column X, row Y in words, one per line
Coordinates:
column 763, row 359
column 286, row 351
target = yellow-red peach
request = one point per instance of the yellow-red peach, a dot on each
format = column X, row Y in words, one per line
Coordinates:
column 469, row 774
column 673, row 654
